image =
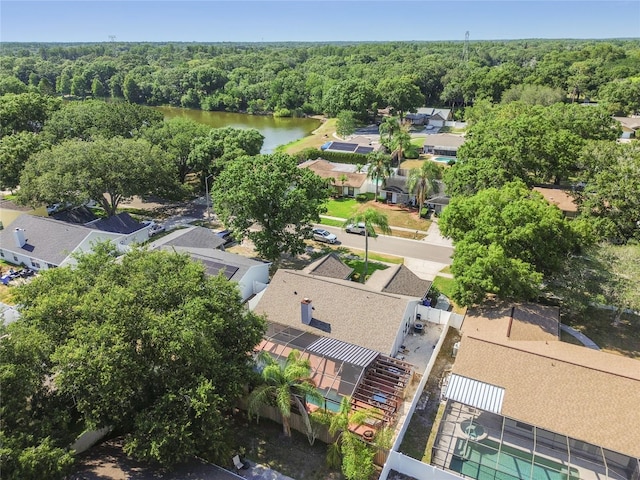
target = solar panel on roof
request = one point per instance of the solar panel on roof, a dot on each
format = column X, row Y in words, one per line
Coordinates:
column 343, row 147
column 213, row 268
column 364, row 150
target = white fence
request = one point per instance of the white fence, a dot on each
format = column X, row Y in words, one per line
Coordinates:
column 440, row 317
column 416, row 469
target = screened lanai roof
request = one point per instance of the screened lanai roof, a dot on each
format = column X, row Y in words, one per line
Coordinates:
column 336, row 366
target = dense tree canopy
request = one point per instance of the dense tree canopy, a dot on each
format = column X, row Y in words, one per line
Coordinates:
column 91, row 118
column 532, row 143
column 273, row 193
column 506, row 241
column 323, row 78
column 105, row 170
column 25, row 112
column 610, row 199
column 146, row 344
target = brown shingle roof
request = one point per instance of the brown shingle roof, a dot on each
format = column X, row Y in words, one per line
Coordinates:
column 542, row 389
column 330, row 266
column 325, row 169
column 586, row 394
column 353, row 313
column 405, row 282
column 558, row 197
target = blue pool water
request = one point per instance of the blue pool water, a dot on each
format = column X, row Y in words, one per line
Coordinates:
column 443, row 159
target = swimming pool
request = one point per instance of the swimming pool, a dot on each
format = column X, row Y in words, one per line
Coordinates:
column 443, row 159
column 483, row 462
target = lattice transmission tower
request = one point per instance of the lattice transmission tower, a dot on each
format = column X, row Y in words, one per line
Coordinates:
column 465, row 48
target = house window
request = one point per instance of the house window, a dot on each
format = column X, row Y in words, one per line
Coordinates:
column 15, row 259
column 49, row 265
column 34, row 263
column 350, row 192
column 1, row 254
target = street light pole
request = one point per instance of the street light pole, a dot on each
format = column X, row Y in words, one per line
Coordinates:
column 206, row 186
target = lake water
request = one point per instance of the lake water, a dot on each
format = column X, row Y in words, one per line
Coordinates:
column 276, row 131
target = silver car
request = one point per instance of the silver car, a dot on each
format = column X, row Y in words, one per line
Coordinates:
column 358, row 229
column 321, row 235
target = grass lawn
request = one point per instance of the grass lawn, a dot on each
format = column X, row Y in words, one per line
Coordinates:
column 397, row 215
column 358, row 268
column 597, row 324
column 445, row 285
column 319, row 137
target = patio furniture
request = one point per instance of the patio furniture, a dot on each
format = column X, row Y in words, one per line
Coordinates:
column 239, row 464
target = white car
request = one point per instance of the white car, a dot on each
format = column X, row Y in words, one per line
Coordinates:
column 155, row 229
column 358, row 229
column 321, row 235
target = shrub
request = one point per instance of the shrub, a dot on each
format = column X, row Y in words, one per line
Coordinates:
column 362, row 197
column 412, row 152
column 282, row 112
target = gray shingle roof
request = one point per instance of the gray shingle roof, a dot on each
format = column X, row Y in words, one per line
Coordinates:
column 353, row 313
column 215, row 260
column 120, row 223
column 330, row 266
column 444, row 140
column 46, row 239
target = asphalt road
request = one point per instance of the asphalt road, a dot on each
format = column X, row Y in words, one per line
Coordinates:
column 401, row 247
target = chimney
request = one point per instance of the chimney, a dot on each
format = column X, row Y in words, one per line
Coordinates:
column 18, row 235
column 306, row 310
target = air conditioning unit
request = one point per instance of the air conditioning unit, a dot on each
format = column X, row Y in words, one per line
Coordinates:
column 456, row 346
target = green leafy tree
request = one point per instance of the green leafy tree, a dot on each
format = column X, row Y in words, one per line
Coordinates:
column 424, row 181
column 400, row 142
column 284, row 385
column 371, row 218
column 346, row 123
column 272, row 192
column 91, row 118
column 388, row 129
column 147, row 344
column 9, row 84
column 348, row 450
column 178, row 137
column 401, row 94
column 507, row 241
column 15, row 150
column 610, row 199
column 105, row 170
column 25, row 112
column 222, row 145
column 98, row 90
column 379, row 168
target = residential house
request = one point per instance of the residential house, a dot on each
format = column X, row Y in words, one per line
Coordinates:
column 395, row 190
column 560, row 197
column 41, row 243
column 340, row 309
column 630, row 126
column 435, row 117
column 204, row 246
column 349, row 332
column 437, row 203
column 330, row 266
column 560, row 408
column 345, row 180
column 446, row 144
column 130, row 230
column 357, row 144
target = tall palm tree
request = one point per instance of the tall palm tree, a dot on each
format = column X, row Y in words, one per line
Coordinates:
column 379, row 168
column 371, row 218
column 401, row 141
column 424, row 181
column 388, row 128
column 284, row 385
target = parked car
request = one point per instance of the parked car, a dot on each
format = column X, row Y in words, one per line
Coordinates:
column 359, row 229
column 227, row 236
column 155, row 229
column 321, row 235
